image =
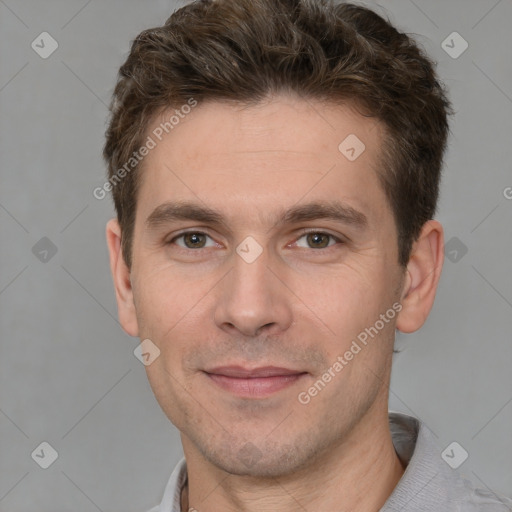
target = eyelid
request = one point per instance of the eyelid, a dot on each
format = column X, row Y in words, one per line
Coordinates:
column 322, row 231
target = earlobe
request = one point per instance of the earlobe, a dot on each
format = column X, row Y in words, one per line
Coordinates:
column 121, row 277
column 422, row 277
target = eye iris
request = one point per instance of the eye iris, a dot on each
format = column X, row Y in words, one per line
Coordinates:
column 315, row 237
column 195, row 238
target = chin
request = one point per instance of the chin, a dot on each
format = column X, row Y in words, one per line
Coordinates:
column 266, row 460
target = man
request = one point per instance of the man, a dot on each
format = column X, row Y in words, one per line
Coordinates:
column 275, row 167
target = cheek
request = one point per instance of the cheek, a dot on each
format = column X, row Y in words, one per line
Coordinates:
column 340, row 294
column 170, row 391
column 165, row 298
column 172, row 312
column 346, row 304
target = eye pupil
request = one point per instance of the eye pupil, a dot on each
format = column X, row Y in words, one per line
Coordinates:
column 317, row 237
column 194, row 238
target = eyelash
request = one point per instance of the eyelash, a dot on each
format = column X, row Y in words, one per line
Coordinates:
column 303, row 233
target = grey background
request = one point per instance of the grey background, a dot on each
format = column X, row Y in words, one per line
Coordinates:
column 68, row 375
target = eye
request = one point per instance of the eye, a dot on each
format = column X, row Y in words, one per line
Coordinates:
column 318, row 240
column 192, row 240
column 199, row 240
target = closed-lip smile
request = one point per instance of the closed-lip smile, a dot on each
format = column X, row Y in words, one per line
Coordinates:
column 253, row 382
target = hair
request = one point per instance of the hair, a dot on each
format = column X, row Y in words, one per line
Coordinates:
column 248, row 50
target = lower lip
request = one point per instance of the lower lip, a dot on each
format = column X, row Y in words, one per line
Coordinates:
column 257, row 387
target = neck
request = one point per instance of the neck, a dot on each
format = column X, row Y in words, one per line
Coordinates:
column 357, row 475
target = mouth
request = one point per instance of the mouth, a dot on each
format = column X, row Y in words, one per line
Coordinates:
column 254, row 383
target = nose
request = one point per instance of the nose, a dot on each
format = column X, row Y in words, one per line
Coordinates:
column 252, row 298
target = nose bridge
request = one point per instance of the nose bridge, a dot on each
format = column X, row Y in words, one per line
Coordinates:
column 251, row 296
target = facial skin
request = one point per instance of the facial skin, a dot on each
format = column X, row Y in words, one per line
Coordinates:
column 298, row 305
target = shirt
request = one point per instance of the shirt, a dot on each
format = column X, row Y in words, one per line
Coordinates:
column 429, row 484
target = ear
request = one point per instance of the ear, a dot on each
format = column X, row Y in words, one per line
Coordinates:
column 422, row 277
column 121, row 277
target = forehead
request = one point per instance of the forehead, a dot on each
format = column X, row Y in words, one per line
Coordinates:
column 266, row 156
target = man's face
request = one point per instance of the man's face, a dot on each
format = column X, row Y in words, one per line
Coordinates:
column 254, row 291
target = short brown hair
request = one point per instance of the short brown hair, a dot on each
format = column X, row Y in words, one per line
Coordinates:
column 245, row 50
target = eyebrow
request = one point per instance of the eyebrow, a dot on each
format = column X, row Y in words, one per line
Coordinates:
column 332, row 210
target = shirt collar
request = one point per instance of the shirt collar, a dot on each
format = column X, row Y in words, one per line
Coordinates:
column 428, row 483
column 171, row 501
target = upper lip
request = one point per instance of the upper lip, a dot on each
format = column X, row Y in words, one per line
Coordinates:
column 247, row 373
